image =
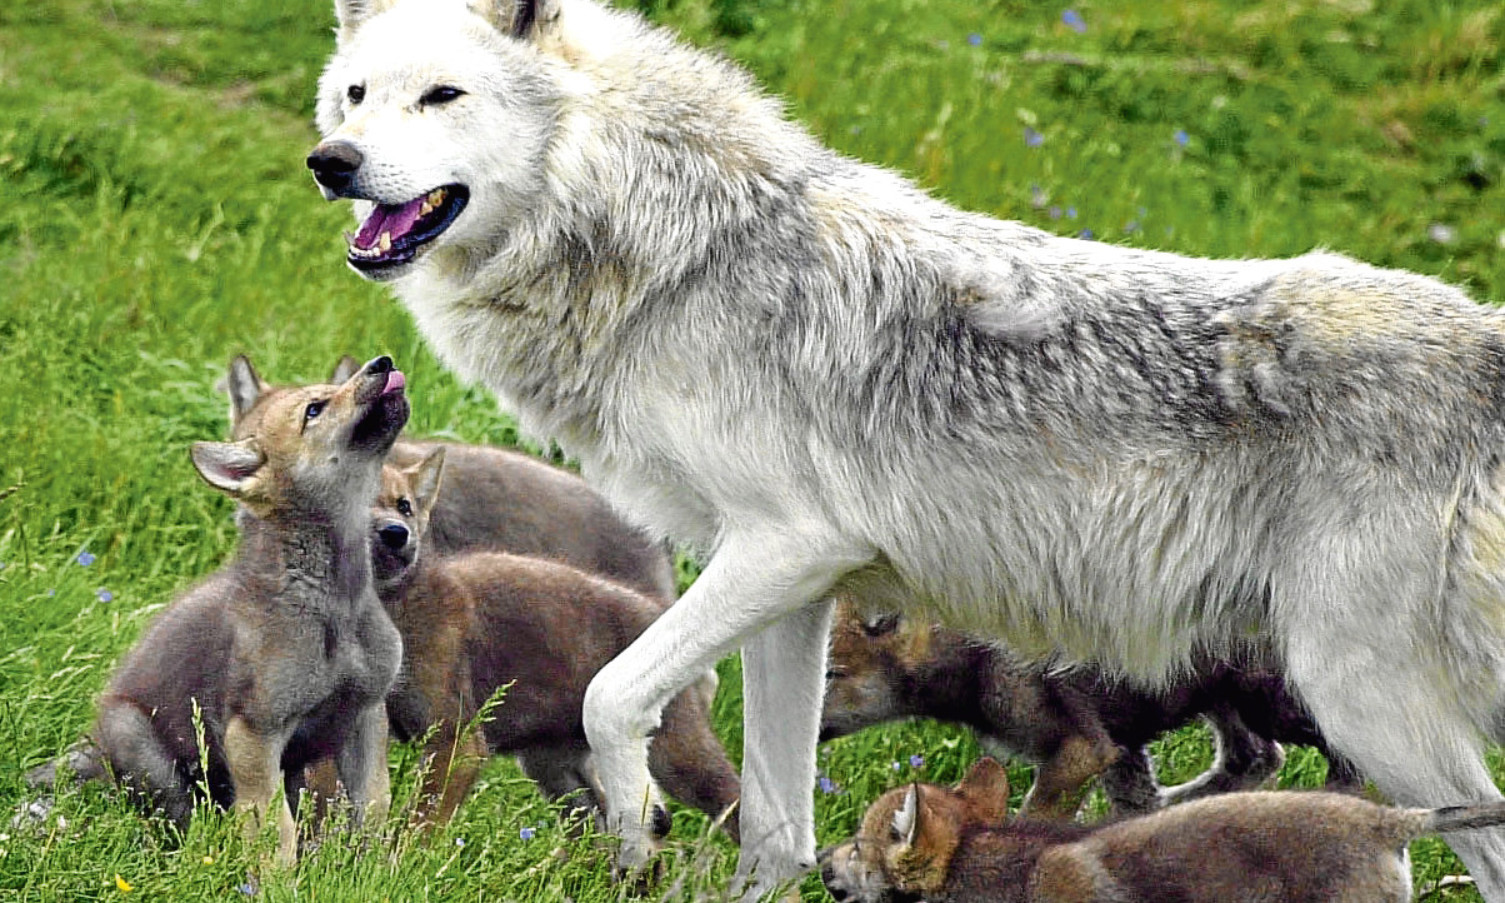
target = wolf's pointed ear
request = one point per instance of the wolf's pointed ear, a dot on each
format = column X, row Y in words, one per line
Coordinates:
column 986, row 790
column 907, row 817
column 352, row 13
column 244, row 386
column 346, row 368
column 230, row 467
column 425, row 478
column 523, row 19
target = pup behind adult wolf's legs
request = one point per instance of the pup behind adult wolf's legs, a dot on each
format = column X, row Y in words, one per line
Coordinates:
column 474, row 622
column 828, row 379
column 286, row 652
column 1075, row 723
column 958, row 846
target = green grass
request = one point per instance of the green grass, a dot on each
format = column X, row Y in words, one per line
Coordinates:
column 155, row 218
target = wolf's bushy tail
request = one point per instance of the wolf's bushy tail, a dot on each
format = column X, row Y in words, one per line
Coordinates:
column 1463, row 818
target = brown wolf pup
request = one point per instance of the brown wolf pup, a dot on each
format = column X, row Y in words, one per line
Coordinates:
column 286, row 653
column 1075, row 724
column 510, row 503
column 475, row 622
column 957, row 846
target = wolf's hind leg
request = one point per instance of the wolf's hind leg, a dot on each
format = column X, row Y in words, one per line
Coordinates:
column 141, row 763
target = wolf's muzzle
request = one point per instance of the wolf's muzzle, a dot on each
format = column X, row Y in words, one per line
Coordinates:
column 334, row 164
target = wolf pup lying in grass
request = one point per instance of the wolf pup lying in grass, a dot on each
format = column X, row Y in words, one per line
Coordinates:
column 286, row 653
column 827, row 379
column 1075, row 724
column 473, row 623
column 924, row 842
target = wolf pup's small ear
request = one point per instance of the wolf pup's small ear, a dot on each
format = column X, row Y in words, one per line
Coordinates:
column 522, row 19
column 986, row 790
column 352, row 13
column 346, row 368
column 907, row 817
column 244, row 386
column 228, row 466
column 425, row 478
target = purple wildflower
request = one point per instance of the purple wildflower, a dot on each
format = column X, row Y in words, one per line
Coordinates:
column 916, row 761
column 85, row 558
column 1033, row 138
column 527, row 833
column 826, row 784
column 1074, row 21
column 104, row 595
column 1085, row 233
column 1054, row 212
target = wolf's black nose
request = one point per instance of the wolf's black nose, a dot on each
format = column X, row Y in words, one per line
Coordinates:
column 393, row 536
column 334, row 164
column 381, row 364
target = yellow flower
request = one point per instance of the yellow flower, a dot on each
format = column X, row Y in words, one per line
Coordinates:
column 209, row 860
column 124, row 885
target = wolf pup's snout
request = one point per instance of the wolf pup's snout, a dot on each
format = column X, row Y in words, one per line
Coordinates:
column 334, row 164
column 393, row 536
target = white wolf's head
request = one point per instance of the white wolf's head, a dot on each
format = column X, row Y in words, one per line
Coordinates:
column 436, row 116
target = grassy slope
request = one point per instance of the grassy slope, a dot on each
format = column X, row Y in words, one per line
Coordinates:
column 156, row 219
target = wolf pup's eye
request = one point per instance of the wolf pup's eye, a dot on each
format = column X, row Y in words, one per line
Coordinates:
column 314, row 409
column 441, row 95
column 355, row 94
column 404, row 508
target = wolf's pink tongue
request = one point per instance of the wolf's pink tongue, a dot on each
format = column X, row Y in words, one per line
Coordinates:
column 395, row 219
column 395, row 382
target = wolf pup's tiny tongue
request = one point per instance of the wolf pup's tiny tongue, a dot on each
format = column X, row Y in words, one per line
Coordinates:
column 395, row 220
column 395, row 382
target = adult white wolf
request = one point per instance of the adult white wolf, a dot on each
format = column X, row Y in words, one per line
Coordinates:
column 827, row 379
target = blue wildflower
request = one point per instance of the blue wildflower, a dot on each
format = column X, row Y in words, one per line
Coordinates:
column 1071, row 213
column 459, row 841
column 246, row 888
column 895, row 766
column 1182, row 138
column 527, row 833
column 1074, row 21
column 104, row 595
column 826, row 784
column 974, row 39
column 1054, row 212
column 1085, row 233
column 916, row 761
column 85, row 558
column 1033, row 138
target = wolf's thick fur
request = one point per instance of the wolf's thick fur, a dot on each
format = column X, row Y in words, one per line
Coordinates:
column 958, row 846
column 827, row 379
column 285, row 654
column 475, row 622
column 1075, row 723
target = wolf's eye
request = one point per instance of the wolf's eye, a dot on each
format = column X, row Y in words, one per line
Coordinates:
column 355, row 94
column 404, row 508
column 441, row 95
column 314, row 409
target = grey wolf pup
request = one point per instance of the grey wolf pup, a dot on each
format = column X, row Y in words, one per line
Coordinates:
column 286, row 654
column 472, row 623
column 504, row 500
column 924, row 842
column 826, row 379
column 1075, row 723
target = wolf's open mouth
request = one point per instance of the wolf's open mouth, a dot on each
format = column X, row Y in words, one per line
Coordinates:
column 392, row 234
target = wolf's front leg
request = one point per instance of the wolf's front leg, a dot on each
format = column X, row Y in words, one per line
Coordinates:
column 362, row 764
column 753, row 580
column 783, row 679
column 255, row 763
